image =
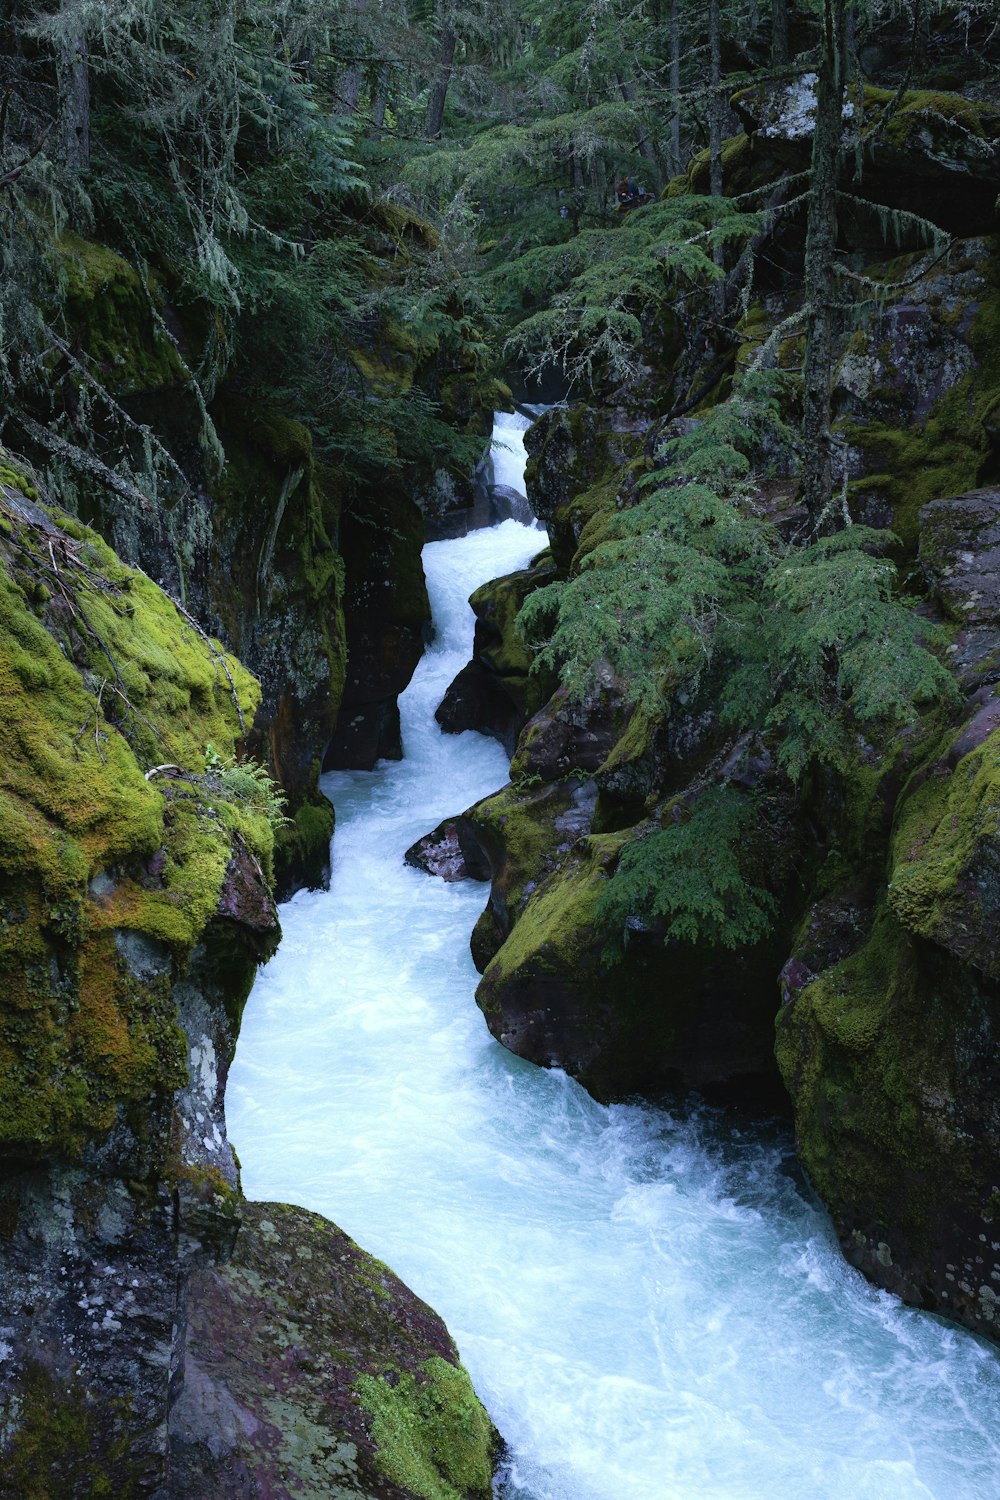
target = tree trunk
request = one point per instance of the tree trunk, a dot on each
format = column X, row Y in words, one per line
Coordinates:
column 378, row 108
column 819, row 288
column 439, row 88
column 676, row 164
column 74, row 96
column 631, row 96
column 714, row 101
column 779, row 33
column 715, row 138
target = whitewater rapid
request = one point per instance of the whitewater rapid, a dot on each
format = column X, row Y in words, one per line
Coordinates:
column 649, row 1303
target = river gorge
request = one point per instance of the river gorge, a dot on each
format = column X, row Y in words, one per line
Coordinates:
column 649, row 1299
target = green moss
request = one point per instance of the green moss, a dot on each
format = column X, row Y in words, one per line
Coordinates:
column 431, row 1434
column 944, row 882
column 737, row 170
column 520, row 825
column 558, row 923
column 65, row 1444
column 106, row 310
column 853, row 1078
column 304, row 845
column 910, row 464
column 90, row 847
column 933, row 116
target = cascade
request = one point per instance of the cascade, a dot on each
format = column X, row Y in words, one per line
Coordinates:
column 649, row 1301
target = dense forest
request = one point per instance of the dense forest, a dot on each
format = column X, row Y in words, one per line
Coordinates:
column 268, row 269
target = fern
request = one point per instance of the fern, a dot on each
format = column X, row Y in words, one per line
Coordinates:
column 695, row 876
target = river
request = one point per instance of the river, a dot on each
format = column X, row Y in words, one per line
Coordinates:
column 650, row 1303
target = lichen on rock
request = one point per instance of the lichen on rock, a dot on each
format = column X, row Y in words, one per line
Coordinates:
column 310, row 1368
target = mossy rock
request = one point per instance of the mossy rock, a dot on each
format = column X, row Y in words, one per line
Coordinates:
column 576, row 455
column 743, row 167
column 107, row 312
column 561, row 991
column 499, row 690
column 890, row 1057
column 945, row 883
column 920, row 438
column 343, row 1382
column 92, row 848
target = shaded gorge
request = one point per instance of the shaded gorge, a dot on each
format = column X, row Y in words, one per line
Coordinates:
column 649, row 1301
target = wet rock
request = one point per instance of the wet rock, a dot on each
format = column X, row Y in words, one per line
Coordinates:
column 246, row 897
column 560, row 990
column 574, row 735
column 890, row 1056
column 309, row 1368
column 387, row 614
column 451, row 852
column 507, row 504
column 497, row 692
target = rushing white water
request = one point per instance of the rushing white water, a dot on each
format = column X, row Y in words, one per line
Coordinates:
column 649, row 1306
column 508, row 452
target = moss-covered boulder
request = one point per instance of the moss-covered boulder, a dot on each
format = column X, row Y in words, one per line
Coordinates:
column 928, row 151
column 497, row 692
column 309, row 1368
column 619, row 1011
column 891, row 1059
column 889, row 1043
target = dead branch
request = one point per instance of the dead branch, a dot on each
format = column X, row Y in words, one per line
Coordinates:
column 86, row 462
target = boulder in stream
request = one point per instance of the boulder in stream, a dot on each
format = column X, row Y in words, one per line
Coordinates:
column 310, row 1369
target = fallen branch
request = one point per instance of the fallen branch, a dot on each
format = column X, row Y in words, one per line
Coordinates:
column 86, row 462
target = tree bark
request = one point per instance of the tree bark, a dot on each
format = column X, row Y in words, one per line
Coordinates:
column 378, row 108
column 715, row 137
column 439, row 88
column 677, row 164
column 645, row 146
column 715, row 101
column 74, row 96
column 819, row 289
column 779, row 33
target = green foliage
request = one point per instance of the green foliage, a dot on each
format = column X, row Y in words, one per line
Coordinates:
column 808, row 645
column 603, row 284
column 844, row 644
column 694, row 876
column 245, row 783
column 801, row 640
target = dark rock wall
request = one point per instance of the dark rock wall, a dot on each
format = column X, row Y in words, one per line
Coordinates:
column 135, row 909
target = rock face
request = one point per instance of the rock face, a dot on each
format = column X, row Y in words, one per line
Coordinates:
column 619, row 1016
column 135, row 907
column 960, row 555
column 135, row 910
column 497, row 692
column 388, row 615
column 309, row 1368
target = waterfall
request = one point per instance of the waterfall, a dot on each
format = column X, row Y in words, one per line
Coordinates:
column 649, row 1301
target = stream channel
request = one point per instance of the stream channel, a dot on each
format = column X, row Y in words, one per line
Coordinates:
column 650, row 1303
